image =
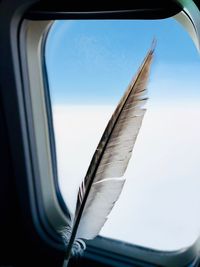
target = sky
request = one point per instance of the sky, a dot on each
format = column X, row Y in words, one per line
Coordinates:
column 89, row 65
column 89, row 56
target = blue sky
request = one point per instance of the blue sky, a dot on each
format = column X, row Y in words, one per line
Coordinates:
column 92, row 62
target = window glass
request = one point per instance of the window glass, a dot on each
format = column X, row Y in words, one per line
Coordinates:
column 89, row 65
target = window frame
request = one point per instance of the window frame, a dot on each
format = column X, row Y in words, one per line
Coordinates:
column 47, row 207
column 50, row 208
column 20, row 125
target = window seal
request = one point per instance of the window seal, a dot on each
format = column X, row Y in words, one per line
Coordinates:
column 50, row 122
column 111, row 250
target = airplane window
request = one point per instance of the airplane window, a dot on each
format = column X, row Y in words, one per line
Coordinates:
column 89, row 66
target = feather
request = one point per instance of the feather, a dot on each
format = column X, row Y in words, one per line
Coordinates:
column 103, row 182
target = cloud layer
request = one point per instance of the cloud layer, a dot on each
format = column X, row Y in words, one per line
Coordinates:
column 159, row 206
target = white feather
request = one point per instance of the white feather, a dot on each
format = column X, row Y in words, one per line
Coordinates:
column 102, row 197
column 103, row 183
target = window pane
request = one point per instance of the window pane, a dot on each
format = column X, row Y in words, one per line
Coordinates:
column 90, row 64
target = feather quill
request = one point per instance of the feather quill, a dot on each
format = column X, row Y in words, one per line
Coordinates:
column 103, row 182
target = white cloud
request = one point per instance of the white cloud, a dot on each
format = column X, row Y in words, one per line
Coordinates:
column 159, row 206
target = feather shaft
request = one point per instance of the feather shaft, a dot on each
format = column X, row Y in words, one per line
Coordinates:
column 111, row 158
